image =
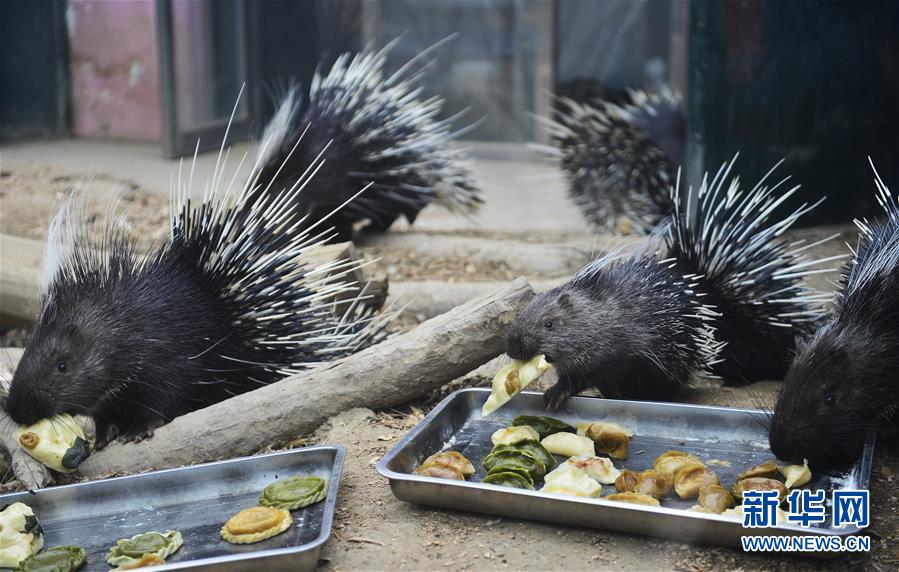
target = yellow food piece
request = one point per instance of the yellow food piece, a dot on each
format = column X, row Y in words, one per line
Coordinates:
column 514, row 434
column 49, row 439
column 796, row 475
column 256, row 524
column 689, row 480
column 715, row 498
column 19, row 535
column 654, row 484
column 453, row 459
column 570, row 480
column 768, row 469
column 759, row 484
column 671, row 462
column 633, row 498
column 610, row 438
column 568, row 445
column 599, row 469
column 510, row 380
column 438, row 471
column 627, row 481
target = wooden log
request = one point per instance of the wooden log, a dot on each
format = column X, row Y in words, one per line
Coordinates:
column 424, row 299
column 20, row 275
column 23, row 258
column 383, row 376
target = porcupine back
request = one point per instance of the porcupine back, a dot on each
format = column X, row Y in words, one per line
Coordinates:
column 375, row 128
column 747, row 272
column 227, row 304
column 620, row 160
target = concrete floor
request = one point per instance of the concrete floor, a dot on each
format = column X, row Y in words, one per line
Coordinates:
column 521, row 196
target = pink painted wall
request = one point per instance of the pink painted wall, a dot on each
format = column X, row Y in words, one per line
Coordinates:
column 114, row 69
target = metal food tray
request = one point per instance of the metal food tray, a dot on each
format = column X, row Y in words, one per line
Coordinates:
column 732, row 439
column 196, row 501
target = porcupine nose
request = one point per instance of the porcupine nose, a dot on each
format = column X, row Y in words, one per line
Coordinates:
column 27, row 406
column 520, row 347
column 786, row 445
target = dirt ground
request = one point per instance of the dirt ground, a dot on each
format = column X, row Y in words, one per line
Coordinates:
column 373, row 530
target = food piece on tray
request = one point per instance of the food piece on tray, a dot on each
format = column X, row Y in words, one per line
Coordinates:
column 438, row 471
column 633, row 498
column 671, row 462
column 570, row 480
column 627, row 481
column 453, row 459
column 130, row 551
column 534, row 448
column 294, row 492
column 58, row 442
column 21, row 534
column 610, row 438
column 509, row 478
column 715, row 498
column 256, row 524
column 768, row 469
column 796, row 475
column 545, row 426
column 598, row 468
column 689, row 480
column 518, row 459
column 510, row 380
column 56, row 559
column 512, row 435
column 568, row 445
column 758, row 484
column 654, row 484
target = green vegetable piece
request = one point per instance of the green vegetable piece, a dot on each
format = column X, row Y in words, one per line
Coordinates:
column 511, row 479
column 524, row 474
column 532, row 447
column 76, row 454
column 544, row 425
column 294, row 493
column 130, row 550
column 515, row 459
column 56, row 559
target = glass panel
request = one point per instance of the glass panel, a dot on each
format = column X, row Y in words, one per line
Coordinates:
column 209, row 52
column 489, row 67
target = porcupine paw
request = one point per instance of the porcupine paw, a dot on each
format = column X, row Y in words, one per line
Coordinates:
column 139, row 434
column 106, row 432
column 555, row 397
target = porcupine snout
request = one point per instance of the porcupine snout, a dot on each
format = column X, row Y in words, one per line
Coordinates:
column 521, row 346
column 27, row 405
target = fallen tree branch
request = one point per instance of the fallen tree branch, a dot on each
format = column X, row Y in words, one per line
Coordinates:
column 383, row 376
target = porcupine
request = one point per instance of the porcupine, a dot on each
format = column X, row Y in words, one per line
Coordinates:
column 725, row 299
column 844, row 381
column 228, row 303
column 378, row 128
column 620, row 160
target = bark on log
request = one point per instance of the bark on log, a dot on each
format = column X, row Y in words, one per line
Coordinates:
column 20, row 275
column 425, row 299
column 387, row 375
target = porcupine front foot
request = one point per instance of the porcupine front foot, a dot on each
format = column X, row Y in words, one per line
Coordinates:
column 108, row 432
column 556, row 396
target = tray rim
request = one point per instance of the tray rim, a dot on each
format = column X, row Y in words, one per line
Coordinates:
column 385, row 471
column 327, row 516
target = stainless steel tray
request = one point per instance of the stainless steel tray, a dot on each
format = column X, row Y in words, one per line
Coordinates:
column 735, row 436
column 195, row 501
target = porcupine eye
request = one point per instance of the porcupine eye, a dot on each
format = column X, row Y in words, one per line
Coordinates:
column 61, row 367
column 829, row 398
column 548, row 325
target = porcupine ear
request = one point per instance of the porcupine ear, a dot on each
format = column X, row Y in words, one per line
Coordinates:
column 565, row 301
